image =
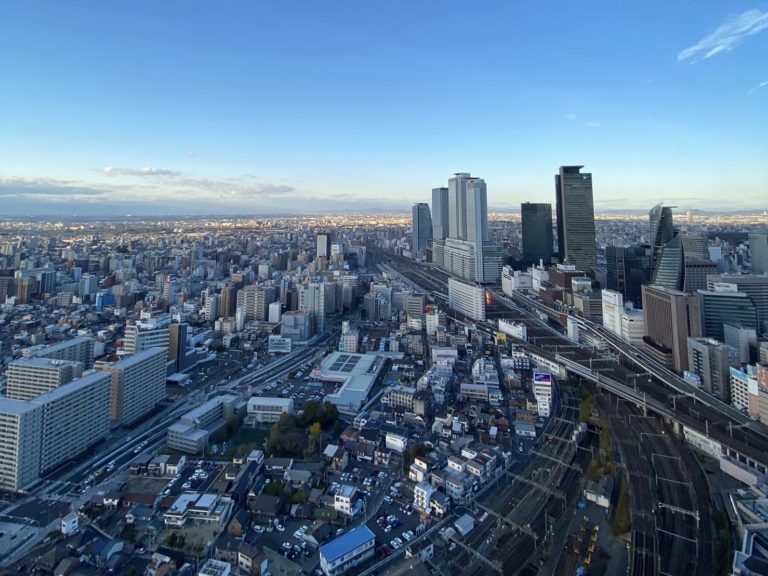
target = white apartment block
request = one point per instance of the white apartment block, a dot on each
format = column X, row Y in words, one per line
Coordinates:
column 344, row 499
column 422, row 496
column 40, row 434
column 30, row 377
column 75, row 417
column 75, row 350
column 138, row 339
column 21, row 425
column 467, row 299
column 138, row 384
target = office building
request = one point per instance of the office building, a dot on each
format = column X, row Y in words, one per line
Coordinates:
column 298, row 325
column 741, row 338
column 758, row 252
column 89, row 284
column 255, row 302
column 612, row 308
column 312, row 297
column 661, row 232
column 177, row 345
column 138, row 384
column 628, row 268
column 683, row 263
column 755, row 286
column 468, row 251
column 422, row 230
column 711, row 360
column 350, row 549
column 266, row 409
column 31, row 377
column 211, row 305
column 745, row 395
column 671, row 317
column 190, row 434
column 632, row 326
column 576, row 237
column 439, row 213
column 537, row 232
column 725, row 304
column 78, row 349
column 467, row 299
column 324, row 245
column 228, row 302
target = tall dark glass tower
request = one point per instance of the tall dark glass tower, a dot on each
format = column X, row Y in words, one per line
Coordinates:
column 629, row 268
column 537, row 232
column 440, row 213
column 422, row 229
column 575, row 218
column 661, row 232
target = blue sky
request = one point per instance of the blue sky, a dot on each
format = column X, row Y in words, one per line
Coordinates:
column 233, row 107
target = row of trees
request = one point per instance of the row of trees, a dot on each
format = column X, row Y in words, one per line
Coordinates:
column 296, row 435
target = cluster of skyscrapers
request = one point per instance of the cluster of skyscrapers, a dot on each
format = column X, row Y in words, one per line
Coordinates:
column 669, row 295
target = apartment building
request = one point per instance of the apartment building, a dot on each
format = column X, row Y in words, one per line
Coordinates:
column 138, row 384
column 30, row 377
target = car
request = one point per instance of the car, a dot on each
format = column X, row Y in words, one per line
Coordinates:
column 387, row 529
column 258, row 529
column 279, row 527
column 339, row 531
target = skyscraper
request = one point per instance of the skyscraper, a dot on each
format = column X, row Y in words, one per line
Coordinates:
column 661, row 232
column 683, row 264
column 756, row 286
column 422, row 229
column 628, row 268
column 439, row 213
column 576, row 218
column 537, row 232
column 671, row 317
column 324, row 245
column 468, row 252
column 726, row 304
column 758, row 252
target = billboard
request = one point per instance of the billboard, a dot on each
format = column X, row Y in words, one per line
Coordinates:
column 542, row 378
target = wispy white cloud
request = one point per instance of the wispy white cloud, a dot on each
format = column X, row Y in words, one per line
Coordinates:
column 592, row 124
column 732, row 32
column 146, row 171
column 762, row 84
column 243, row 191
column 571, row 116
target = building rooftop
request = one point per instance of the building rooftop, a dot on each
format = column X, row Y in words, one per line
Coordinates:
column 355, row 372
column 345, row 543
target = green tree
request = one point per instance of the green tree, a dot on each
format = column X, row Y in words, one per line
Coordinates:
column 274, row 488
column 330, row 414
column 299, row 497
column 313, row 411
column 314, row 440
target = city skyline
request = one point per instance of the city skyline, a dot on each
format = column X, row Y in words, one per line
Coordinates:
column 253, row 109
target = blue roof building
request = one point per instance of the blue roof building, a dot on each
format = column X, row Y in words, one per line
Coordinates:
column 347, row 551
